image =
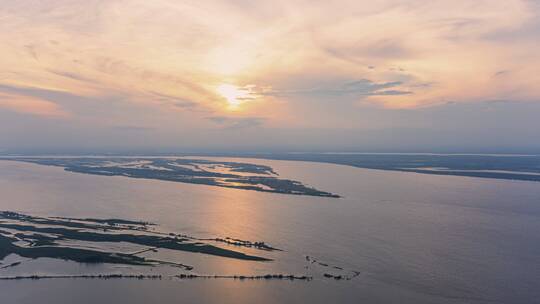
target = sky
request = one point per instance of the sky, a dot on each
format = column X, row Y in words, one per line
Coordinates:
column 171, row 75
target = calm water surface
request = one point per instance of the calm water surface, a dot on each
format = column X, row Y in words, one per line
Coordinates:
column 415, row 238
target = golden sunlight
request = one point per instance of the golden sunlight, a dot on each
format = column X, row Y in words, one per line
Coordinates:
column 234, row 95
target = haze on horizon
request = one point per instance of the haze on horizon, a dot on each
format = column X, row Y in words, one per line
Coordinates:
column 382, row 75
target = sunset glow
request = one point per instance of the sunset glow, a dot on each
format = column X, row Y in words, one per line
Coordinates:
column 284, row 151
column 217, row 64
column 234, row 95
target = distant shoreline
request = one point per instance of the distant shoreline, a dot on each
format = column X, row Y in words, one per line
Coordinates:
column 521, row 167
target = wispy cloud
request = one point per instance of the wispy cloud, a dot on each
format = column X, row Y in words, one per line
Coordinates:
column 361, row 87
column 186, row 52
column 31, row 105
column 236, row 122
column 113, row 62
column 127, row 128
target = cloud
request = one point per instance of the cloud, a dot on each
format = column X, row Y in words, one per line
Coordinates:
column 72, row 76
column 184, row 104
column 191, row 49
column 31, row 105
column 363, row 87
column 175, row 102
column 236, row 122
column 106, row 63
column 41, row 93
column 131, row 128
column 501, row 73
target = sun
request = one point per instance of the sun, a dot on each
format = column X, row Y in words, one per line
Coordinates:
column 234, row 95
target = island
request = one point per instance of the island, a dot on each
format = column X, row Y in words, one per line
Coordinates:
column 236, row 175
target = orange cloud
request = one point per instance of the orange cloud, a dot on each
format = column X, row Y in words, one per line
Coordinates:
column 119, row 48
column 31, row 105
